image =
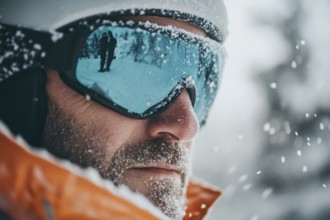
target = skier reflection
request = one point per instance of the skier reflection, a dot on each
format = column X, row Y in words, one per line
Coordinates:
column 111, row 50
column 103, row 50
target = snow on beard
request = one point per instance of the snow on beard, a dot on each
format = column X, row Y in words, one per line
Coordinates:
column 66, row 140
column 165, row 192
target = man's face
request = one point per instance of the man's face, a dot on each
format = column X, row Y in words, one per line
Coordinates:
column 150, row 156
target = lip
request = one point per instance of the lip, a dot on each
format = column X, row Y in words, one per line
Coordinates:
column 159, row 169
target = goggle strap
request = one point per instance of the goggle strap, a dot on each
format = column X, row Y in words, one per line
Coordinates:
column 23, row 48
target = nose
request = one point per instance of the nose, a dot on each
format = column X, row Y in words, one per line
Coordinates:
column 178, row 121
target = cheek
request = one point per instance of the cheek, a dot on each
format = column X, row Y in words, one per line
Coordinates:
column 105, row 124
column 93, row 123
column 111, row 127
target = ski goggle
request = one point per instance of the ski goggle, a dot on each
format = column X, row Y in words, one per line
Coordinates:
column 135, row 69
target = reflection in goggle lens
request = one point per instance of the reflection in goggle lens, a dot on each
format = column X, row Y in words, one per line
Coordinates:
column 140, row 70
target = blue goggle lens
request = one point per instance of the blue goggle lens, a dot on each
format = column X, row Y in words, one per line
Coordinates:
column 148, row 69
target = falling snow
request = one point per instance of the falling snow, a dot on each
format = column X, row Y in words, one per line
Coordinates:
column 247, row 187
column 273, row 85
column 255, row 217
column 243, row 178
column 37, row 46
column 304, row 168
column 266, row 193
column 232, row 169
column 267, row 127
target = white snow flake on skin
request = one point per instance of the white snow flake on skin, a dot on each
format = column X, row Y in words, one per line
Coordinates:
column 164, row 194
column 87, row 97
column 266, row 193
column 203, row 206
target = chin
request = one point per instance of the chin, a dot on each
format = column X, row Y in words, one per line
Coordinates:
column 165, row 190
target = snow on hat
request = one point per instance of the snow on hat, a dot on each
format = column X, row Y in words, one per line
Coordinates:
column 208, row 14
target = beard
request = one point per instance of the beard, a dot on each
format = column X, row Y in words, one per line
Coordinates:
column 80, row 143
column 167, row 193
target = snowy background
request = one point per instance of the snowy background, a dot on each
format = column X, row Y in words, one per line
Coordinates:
column 267, row 138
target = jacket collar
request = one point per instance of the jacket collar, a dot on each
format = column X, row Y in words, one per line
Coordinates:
column 20, row 162
column 200, row 198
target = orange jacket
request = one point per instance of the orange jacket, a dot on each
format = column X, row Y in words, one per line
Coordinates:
column 33, row 187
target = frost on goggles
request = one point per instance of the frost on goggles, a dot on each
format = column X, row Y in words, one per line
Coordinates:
column 143, row 71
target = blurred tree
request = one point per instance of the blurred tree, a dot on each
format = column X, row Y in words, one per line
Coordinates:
column 94, row 46
column 294, row 141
